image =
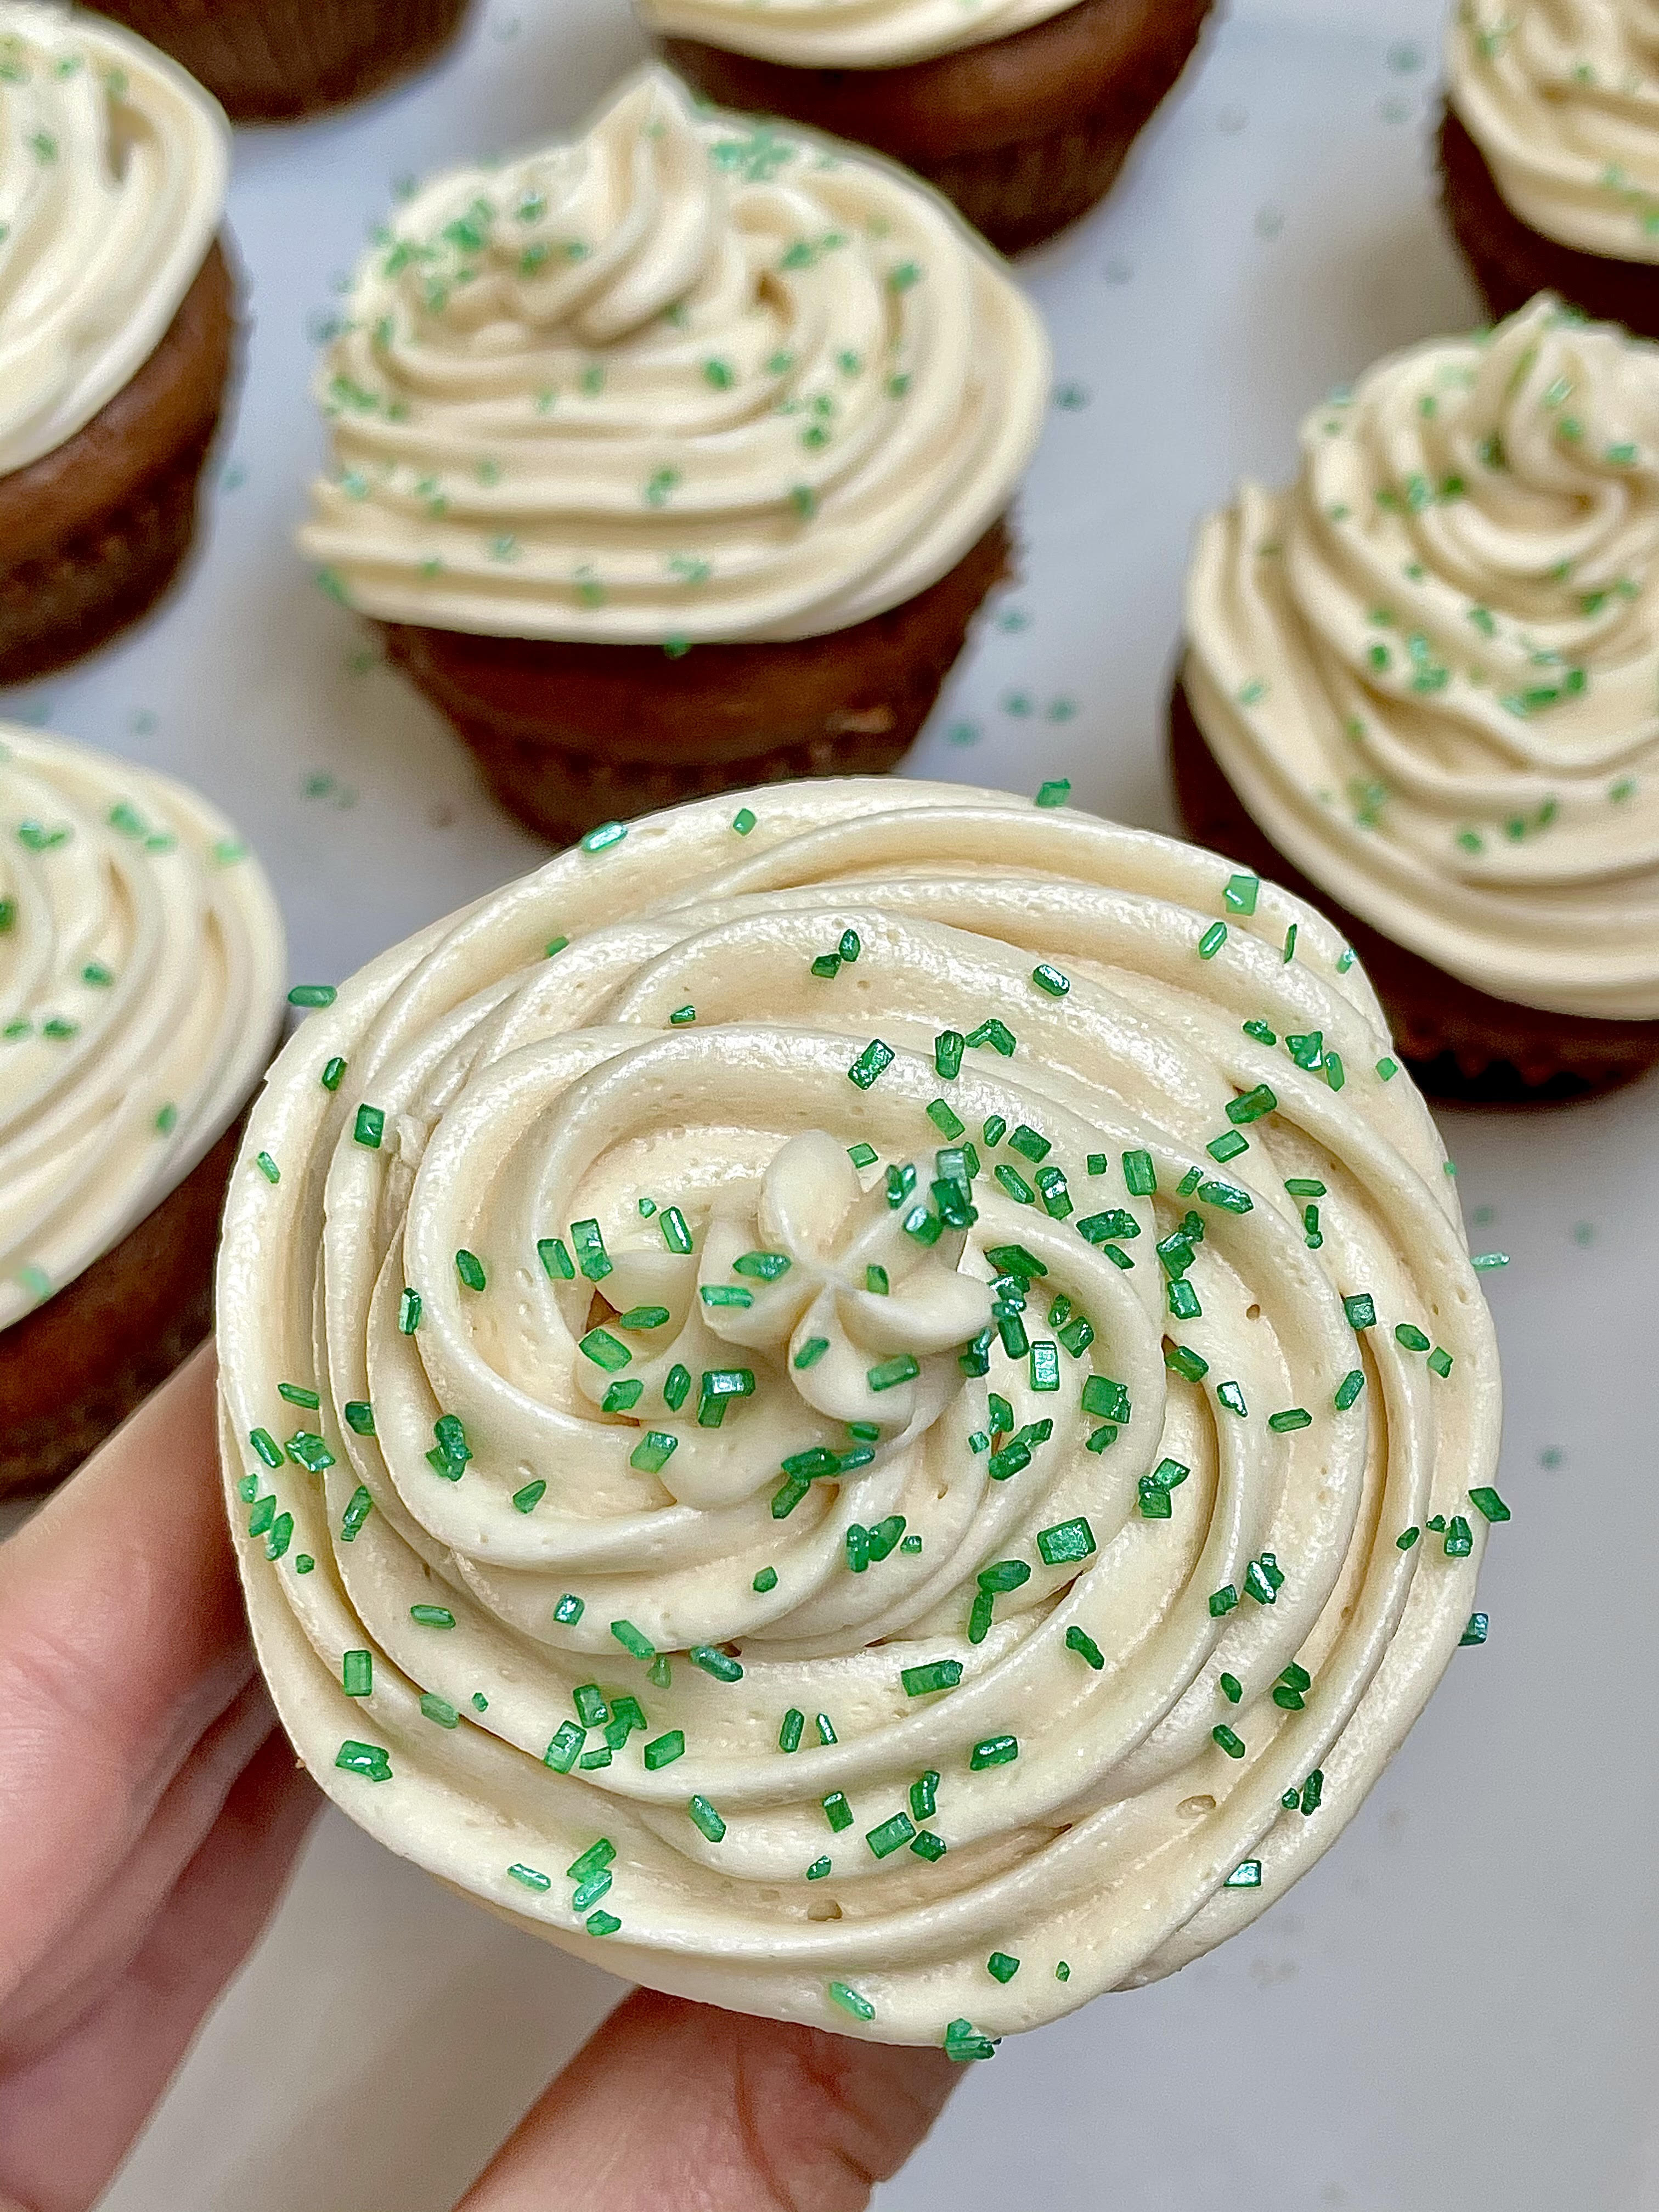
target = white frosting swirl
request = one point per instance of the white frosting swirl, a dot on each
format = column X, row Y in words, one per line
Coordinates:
column 1562, row 99
column 1431, row 668
column 846, row 34
column 689, row 377
column 114, row 166
column 141, row 964
column 467, row 1576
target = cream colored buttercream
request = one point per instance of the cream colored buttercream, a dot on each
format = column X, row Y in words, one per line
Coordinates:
column 140, row 981
column 954, row 1444
column 113, row 171
column 1431, row 668
column 846, row 34
column 687, row 377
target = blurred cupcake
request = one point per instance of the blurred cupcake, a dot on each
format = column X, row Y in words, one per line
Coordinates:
column 676, row 458
column 1549, row 149
column 140, row 981
column 268, row 61
column 116, row 327
column 1424, row 678
column 1023, row 112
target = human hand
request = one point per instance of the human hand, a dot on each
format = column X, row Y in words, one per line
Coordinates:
column 150, row 1810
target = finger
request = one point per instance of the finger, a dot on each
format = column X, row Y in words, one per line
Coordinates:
column 675, row 2107
column 122, row 1640
column 67, row 2119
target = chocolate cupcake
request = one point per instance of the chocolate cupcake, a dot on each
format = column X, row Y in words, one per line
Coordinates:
column 1550, row 151
column 269, row 61
column 1423, row 679
column 675, row 458
column 871, row 1442
column 117, row 318
column 1023, row 112
column 141, row 983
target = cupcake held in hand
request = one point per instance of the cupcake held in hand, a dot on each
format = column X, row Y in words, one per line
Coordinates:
column 116, row 327
column 269, row 61
column 675, row 458
column 1425, row 676
column 141, row 981
column 1550, row 151
column 1023, row 112
column 903, row 1513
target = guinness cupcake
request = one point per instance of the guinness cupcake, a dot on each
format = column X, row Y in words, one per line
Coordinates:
column 1423, row 681
column 269, row 61
column 140, row 984
column 869, row 1444
column 116, row 326
column 1551, row 153
column 676, row 458
column 1023, row 112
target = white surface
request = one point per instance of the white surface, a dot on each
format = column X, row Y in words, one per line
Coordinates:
column 1452, row 2011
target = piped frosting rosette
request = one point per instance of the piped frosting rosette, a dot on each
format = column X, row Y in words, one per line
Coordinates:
column 1430, row 667
column 864, row 1403
column 847, row 34
column 687, row 377
column 114, row 166
column 142, row 969
column 1562, row 99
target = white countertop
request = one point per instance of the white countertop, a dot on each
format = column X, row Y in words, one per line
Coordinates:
column 1450, row 2011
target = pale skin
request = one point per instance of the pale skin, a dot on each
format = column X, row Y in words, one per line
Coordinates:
column 150, row 1812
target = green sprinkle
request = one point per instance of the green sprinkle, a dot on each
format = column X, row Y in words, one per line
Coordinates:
column 1085, row 1647
column 1440, row 1362
column 765, row 1581
column 372, row 1761
column 1212, row 941
column 1001, row 1967
column 676, row 1384
column 1239, row 894
column 1245, row 1877
column 1488, row 1502
column 629, row 1637
column 963, row 2042
column 556, row 1263
column 569, row 1610
column 707, row 1818
column 1050, row 980
column 358, row 1509
column 871, row 1063
column 357, row 1674
column 890, row 1836
column 849, row 2001
column 605, row 1351
column 1408, row 1334
column 993, row 1751
column 944, row 1119
column 309, row 994
column 1476, row 1630
column 440, row 1710
column 369, row 1127
column 654, row 1451
column 837, row 1811
column 1460, row 1540
column 1349, row 1389
column 999, row 1038
column 664, row 1750
column 1222, row 1600
column 529, row 1877
column 743, row 821
column 1232, row 1744
column 719, row 1664
column 1067, row 1543
column 901, row 1369
column 947, row 1053
column 1232, row 1398
column 268, row 1167
column 1054, row 793
column 602, row 839
column 936, row 1674
column 432, row 1616
column 682, row 1016
column 470, row 1268
column 591, row 1255
column 1294, row 1417
column 789, row 1735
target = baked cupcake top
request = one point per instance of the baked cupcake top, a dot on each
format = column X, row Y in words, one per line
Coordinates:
column 846, row 34
column 1430, row 667
column 140, row 980
column 893, row 1385
column 1562, row 98
column 686, row 378
column 112, row 171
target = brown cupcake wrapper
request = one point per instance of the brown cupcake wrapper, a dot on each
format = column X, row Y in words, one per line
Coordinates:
column 1024, row 134
column 569, row 736
column 1511, row 262
column 270, row 61
column 98, row 528
column 1460, row 1044
column 73, row 1369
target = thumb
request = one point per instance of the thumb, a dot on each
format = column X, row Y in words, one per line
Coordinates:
column 675, row 2107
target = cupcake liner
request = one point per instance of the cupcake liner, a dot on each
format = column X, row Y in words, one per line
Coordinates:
column 1024, row 134
column 569, row 736
column 94, row 532
column 1461, row 1045
column 268, row 61
column 1511, row 262
column 73, row 1369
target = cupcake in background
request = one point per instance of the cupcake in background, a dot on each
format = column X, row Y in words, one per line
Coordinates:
column 1424, row 684
column 269, row 61
column 1550, row 149
column 1023, row 112
column 141, row 986
column 676, row 458
column 117, row 321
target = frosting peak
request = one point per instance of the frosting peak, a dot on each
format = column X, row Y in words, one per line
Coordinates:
column 844, row 1440
column 846, row 34
column 112, row 171
column 1432, row 666
column 687, row 377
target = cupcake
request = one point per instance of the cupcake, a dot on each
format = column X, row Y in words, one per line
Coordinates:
column 1550, row 149
column 677, row 457
column 268, row 61
column 141, row 981
column 116, row 325
column 1023, row 112
column 902, row 1510
column 1420, row 684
